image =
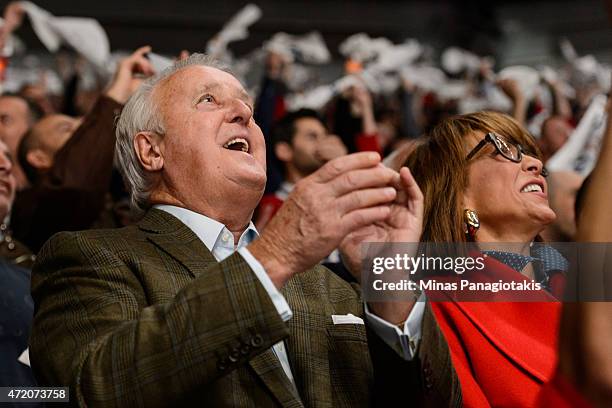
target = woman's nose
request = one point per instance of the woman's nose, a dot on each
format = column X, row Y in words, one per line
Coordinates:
column 532, row 164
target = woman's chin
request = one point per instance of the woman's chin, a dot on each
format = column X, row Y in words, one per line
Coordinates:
column 544, row 217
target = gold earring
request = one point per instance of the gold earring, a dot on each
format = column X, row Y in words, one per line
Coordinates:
column 471, row 223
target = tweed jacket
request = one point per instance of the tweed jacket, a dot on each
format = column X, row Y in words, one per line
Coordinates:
column 144, row 316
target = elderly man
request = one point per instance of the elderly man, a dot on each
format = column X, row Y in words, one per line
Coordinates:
column 190, row 306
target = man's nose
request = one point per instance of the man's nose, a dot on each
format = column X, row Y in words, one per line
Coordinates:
column 6, row 165
column 240, row 112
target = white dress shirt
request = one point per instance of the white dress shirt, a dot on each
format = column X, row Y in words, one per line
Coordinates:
column 220, row 242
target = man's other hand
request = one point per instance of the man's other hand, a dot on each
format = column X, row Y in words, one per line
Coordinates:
column 131, row 72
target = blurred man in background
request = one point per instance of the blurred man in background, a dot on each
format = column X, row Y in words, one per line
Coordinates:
column 302, row 144
column 17, row 115
column 69, row 162
column 38, row 148
column 555, row 132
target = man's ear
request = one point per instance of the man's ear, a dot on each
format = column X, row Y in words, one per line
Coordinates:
column 283, row 151
column 148, row 150
column 39, row 159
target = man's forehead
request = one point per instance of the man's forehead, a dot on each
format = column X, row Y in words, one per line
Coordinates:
column 309, row 120
column 12, row 101
column 195, row 79
column 310, row 123
column 55, row 119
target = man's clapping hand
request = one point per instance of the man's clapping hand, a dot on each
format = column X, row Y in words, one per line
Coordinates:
column 346, row 194
column 403, row 225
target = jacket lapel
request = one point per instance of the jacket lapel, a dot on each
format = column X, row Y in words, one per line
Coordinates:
column 268, row 368
column 176, row 239
column 526, row 332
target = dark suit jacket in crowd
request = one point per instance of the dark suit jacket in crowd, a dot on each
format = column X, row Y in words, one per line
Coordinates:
column 16, row 309
column 144, row 316
column 72, row 195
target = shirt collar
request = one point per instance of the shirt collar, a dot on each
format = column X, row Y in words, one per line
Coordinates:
column 545, row 259
column 208, row 230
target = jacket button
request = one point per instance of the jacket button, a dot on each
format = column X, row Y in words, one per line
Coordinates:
column 234, row 355
column 245, row 349
column 256, row 340
column 428, row 385
column 222, row 364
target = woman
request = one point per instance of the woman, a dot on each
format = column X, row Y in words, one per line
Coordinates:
column 483, row 181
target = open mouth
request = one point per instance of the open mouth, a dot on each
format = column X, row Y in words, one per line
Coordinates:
column 238, row 144
column 532, row 187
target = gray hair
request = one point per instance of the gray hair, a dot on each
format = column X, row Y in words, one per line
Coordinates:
column 140, row 114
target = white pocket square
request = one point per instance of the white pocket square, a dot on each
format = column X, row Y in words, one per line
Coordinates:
column 24, row 358
column 347, row 319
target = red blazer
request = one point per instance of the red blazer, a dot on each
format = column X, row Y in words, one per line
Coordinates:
column 505, row 353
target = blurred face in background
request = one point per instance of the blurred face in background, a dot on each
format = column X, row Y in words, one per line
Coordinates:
column 275, row 64
column 309, row 148
column 56, row 130
column 7, row 181
column 387, row 133
column 555, row 132
column 309, row 134
column 51, row 133
column 14, row 121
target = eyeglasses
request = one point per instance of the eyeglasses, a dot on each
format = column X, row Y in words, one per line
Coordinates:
column 511, row 151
